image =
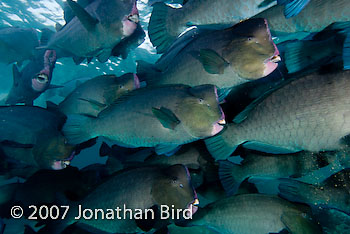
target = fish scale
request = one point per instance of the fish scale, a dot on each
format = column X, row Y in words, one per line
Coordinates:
column 315, row 118
column 327, row 12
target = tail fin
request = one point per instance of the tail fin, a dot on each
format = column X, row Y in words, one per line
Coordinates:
column 296, row 191
column 77, row 129
column 229, row 176
column 303, row 54
column 148, row 72
column 222, row 145
column 157, row 29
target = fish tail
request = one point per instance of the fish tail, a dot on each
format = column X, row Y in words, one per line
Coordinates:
column 297, row 191
column 158, row 28
column 78, row 129
column 147, row 72
column 229, row 176
column 222, row 145
column 300, row 55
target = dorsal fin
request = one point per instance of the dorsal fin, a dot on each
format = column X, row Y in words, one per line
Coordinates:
column 84, row 17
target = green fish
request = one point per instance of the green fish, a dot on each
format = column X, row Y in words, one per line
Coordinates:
column 163, row 117
column 254, row 213
column 93, row 96
column 309, row 113
column 225, row 58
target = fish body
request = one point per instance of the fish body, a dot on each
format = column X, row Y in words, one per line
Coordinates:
column 250, row 213
column 162, row 117
column 271, row 166
column 94, row 95
column 315, row 17
column 31, row 136
column 141, row 188
column 332, row 194
column 105, row 23
column 17, row 44
column 34, row 79
column 225, row 58
column 167, row 23
column 309, row 113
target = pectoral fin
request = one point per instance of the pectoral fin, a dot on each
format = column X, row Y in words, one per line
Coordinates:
column 147, row 222
column 166, row 117
column 167, row 150
column 212, row 62
column 298, row 224
column 95, row 104
column 293, row 7
column 84, row 17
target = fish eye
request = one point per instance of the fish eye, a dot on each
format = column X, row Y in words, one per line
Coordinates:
column 174, row 181
column 250, row 38
column 121, row 86
column 181, row 185
column 201, row 101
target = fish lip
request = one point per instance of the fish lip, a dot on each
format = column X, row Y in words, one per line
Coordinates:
column 134, row 15
column 222, row 122
column 193, row 205
column 62, row 164
column 42, row 78
column 134, row 18
column 136, row 82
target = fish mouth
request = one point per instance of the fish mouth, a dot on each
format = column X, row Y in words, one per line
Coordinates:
column 136, row 82
column 134, row 18
column 40, row 81
column 272, row 63
column 42, row 78
column 62, row 164
column 193, row 206
column 222, row 122
column 134, row 15
column 275, row 59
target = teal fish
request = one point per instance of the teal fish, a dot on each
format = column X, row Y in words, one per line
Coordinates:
column 309, row 113
column 333, row 193
column 163, row 117
column 31, row 137
column 94, row 95
column 104, row 22
column 167, row 23
column 141, row 188
column 224, row 58
column 271, row 166
column 254, row 213
column 315, row 17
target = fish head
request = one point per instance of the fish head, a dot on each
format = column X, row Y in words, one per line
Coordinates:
column 53, row 152
column 175, row 189
column 131, row 20
column 126, row 83
column 252, row 52
column 201, row 113
column 41, row 81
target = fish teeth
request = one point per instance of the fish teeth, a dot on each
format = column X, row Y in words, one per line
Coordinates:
column 276, row 59
column 196, row 202
column 42, row 78
column 134, row 18
column 222, row 122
